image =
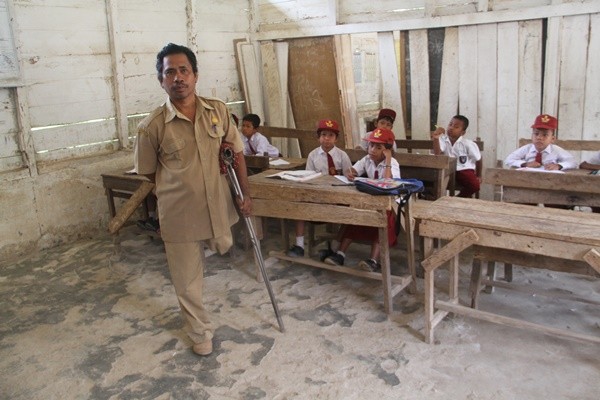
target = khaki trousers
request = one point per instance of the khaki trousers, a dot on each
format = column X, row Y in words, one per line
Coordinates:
column 186, row 264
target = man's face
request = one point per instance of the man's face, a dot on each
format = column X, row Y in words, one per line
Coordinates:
column 541, row 138
column 178, row 77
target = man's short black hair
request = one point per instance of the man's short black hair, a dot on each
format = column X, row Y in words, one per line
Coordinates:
column 172, row 48
column 464, row 120
column 253, row 119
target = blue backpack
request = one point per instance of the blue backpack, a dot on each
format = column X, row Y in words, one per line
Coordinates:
column 389, row 186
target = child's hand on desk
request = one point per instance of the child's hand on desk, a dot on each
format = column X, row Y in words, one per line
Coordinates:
column 531, row 164
column 351, row 174
column 552, row 167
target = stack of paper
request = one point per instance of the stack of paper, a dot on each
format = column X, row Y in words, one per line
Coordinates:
column 296, row 175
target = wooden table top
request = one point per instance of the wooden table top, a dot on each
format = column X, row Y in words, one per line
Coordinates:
column 325, row 189
column 575, row 180
column 564, row 225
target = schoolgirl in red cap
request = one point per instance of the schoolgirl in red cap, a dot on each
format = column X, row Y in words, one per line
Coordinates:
column 378, row 164
column 385, row 120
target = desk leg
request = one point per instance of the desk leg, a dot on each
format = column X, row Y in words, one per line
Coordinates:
column 386, row 277
column 111, row 202
column 453, row 279
column 410, row 243
column 429, row 291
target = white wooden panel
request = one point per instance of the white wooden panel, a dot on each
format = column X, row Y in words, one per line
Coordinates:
column 298, row 11
column 467, row 74
column 530, row 75
column 48, row 115
column 273, row 112
column 516, row 4
column 150, row 42
column 64, row 68
column 9, row 62
column 487, row 39
column 508, row 80
column 448, row 102
column 48, row 17
column 63, row 137
column 10, row 156
column 552, row 66
column 453, row 8
column 151, row 20
column 351, row 11
column 591, row 114
column 8, row 116
column 573, row 70
column 390, row 83
column 419, row 84
column 39, row 43
column 251, row 80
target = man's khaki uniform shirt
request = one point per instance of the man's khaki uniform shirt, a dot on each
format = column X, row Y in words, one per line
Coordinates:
column 194, row 199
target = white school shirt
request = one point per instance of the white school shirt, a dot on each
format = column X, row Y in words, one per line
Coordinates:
column 466, row 151
column 260, row 144
column 366, row 165
column 552, row 154
column 317, row 160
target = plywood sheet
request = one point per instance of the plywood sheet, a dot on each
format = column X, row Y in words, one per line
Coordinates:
column 448, row 101
column 467, row 74
column 507, row 87
column 419, row 84
column 312, row 82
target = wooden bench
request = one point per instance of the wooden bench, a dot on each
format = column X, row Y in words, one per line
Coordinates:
column 571, row 238
column 436, row 171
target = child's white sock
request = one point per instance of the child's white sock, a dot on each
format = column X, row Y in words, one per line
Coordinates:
column 341, row 253
column 300, row 241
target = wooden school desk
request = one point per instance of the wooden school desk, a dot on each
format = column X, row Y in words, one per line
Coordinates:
column 120, row 184
column 319, row 200
column 559, row 234
column 574, row 187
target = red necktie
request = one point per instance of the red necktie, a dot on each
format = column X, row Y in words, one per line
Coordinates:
column 376, row 174
column 251, row 148
column 331, row 165
column 538, row 157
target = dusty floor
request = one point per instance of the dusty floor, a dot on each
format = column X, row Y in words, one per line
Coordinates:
column 93, row 320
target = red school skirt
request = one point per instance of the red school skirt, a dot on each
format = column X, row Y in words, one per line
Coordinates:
column 370, row 233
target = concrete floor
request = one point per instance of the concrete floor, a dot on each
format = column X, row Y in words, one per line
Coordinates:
column 99, row 320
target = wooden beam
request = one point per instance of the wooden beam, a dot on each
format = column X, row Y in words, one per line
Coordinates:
column 450, row 250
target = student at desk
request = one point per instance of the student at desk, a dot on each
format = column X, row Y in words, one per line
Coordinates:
column 384, row 120
column 451, row 142
column 326, row 159
column 379, row 163
column 254, row 142
column 541, row 152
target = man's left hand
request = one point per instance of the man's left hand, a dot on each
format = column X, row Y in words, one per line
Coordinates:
column 245, row 206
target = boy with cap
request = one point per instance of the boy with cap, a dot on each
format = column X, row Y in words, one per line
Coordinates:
column 451, row 142
column 378, row 164
column 326, row 159
column 254, row 142
column 384, row 120
column 541, row 152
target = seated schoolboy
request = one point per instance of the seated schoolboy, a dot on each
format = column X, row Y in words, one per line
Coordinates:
column 385, row 120
column 254, row 142
column 451, row 142
column 378, row 164
column 326, row 159
column 541, row 152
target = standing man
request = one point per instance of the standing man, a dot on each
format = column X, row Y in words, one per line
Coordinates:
column 178, row 148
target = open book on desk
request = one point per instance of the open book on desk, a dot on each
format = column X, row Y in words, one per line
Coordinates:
column 296, row 175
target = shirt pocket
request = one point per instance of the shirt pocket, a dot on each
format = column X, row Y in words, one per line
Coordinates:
column 172, row 153
column 216, row 131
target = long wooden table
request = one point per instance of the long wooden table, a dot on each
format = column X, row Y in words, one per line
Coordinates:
column 321, row 199
column 551, row 233
column 574, row 187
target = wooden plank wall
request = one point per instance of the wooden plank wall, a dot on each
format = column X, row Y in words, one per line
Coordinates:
column 87, row 68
